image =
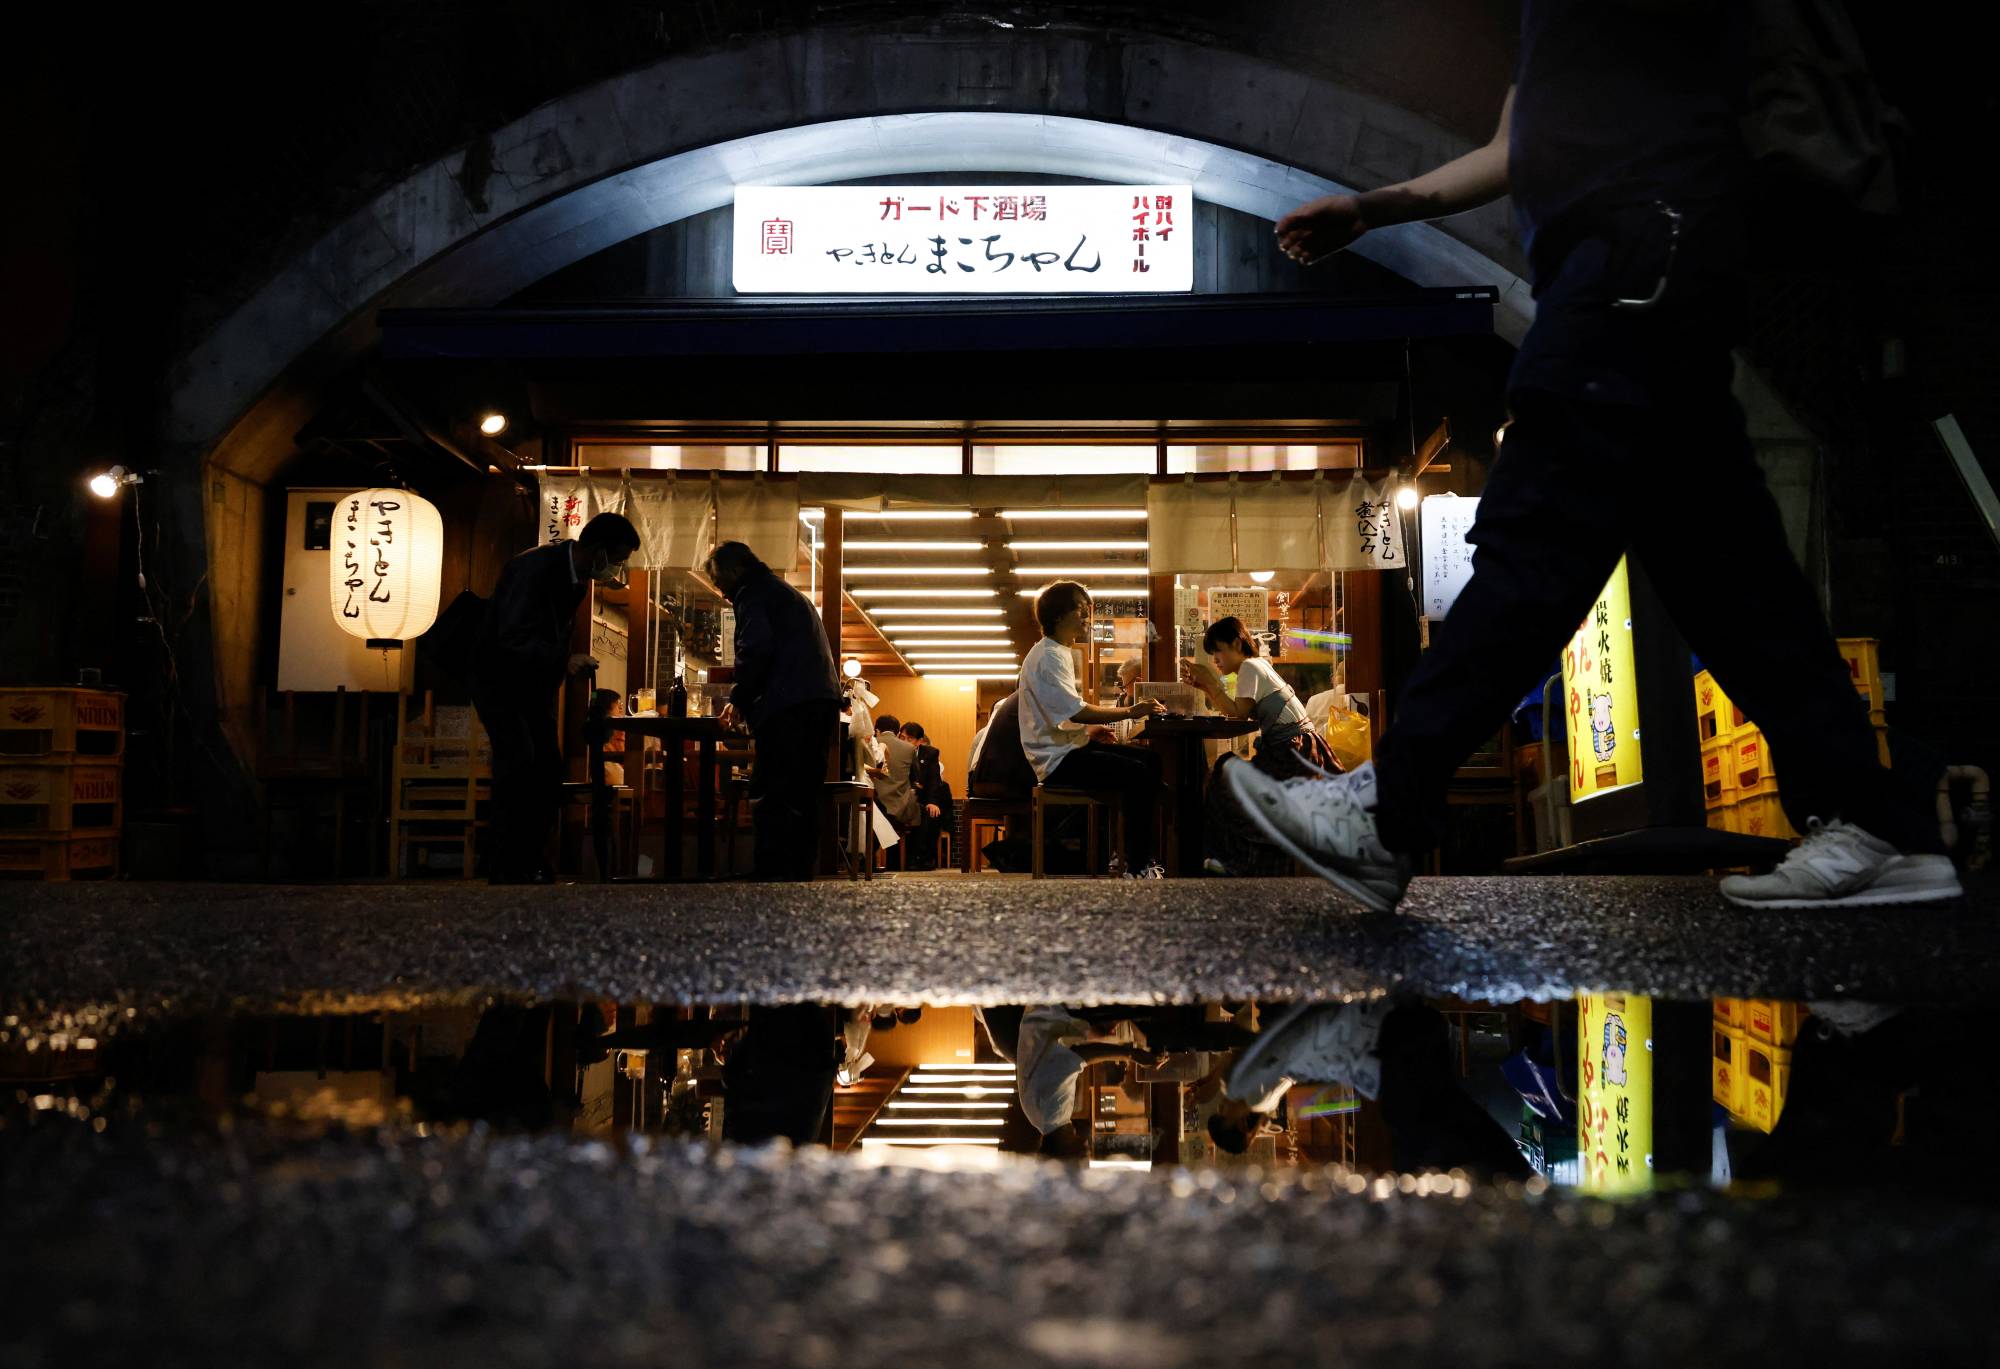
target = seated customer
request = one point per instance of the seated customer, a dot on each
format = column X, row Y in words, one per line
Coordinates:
column 999, row 768
column 895, row 774
column 1055, row 722
column 934, row 805
column 1288, row 745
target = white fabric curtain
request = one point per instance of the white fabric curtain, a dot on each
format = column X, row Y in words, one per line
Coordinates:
column 570, row 501
column 1190, row 527
column 1277, row 523
column 763, row 514
column 674, row 516
column 1363, row 527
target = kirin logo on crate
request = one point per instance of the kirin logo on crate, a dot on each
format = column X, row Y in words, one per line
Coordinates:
column 96, row 713
column 27, row 711
column 22, row 789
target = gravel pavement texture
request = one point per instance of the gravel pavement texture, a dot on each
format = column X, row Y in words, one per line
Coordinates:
column 494, row 1250
column 179, row 948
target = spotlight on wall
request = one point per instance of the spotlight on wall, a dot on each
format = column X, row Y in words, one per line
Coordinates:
column 107, row 483
column 493, row 423
column 851, row 668
column 1262, row 577
column 1406, row 498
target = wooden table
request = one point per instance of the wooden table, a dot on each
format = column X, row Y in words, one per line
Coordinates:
column 1184, row 769
column 674, row 733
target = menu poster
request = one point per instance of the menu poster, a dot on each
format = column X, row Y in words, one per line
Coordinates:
column 1250, row 606
column 1443, row 521
column 1614, row 1103
column 1600, row 700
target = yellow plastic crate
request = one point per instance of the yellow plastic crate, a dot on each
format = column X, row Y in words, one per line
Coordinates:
column 60, row 796
column 1767, row 1071
column 62, row 722
column 1749, row 763
column 54, row 859
column 1773, row 1021
column 1731, row 1012
column 1864, row 667
column 1759, row 815
column 1715, row 772
column 1714, row 716
column 1725, row 1065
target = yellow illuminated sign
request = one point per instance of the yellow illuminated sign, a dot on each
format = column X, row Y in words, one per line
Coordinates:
column 1614, row 1104
column 1600, row 698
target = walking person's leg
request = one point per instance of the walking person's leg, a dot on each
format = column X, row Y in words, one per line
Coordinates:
column 510, row 732
column 544, row 806
column 1753, row 619
column 1551, row 527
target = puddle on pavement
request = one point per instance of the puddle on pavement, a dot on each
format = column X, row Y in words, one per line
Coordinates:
column 1607, row 1093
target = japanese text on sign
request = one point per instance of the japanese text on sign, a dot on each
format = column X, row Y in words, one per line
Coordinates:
column 1600, row 702
column 1614, row 1097
column 958, row 240
column 368, row 574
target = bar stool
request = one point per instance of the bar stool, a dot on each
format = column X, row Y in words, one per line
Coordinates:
column 1090, row 800
column 851, row 803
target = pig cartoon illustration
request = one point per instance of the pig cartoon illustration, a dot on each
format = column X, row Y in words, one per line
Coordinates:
column 1603, row 732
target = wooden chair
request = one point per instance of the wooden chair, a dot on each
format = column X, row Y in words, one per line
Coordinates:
column 442, row 776
column 1090, row 800
column 331, row 761
column 990, row 812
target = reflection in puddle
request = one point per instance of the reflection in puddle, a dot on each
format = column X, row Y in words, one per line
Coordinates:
column 1610, row 1093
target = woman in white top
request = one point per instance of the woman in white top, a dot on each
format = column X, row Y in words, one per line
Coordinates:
column 1288, row 746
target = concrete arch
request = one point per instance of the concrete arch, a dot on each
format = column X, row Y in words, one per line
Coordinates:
column 657, row 144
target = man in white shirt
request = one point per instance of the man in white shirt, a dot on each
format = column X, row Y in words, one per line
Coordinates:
column 1055, row 722
column 1052, row 1052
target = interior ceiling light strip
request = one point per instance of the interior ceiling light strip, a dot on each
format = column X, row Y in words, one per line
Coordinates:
column 912, row 515
column 870, row 592
column 971, row 1091
column 1134, row 545
column 917, row 611
column 918, row 546
column 959, row 1107
column 1099, row 571
column 917, row 570
column 1096, row 592
column 1074, row 515
column 938, row 1141
column 989, row 629
column 930, row 1067
column 939, row 1121
column 968, row 675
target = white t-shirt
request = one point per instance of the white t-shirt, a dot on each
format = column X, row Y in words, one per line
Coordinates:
column 1257, row 679
column 1046, row 1070
column 1049, row 700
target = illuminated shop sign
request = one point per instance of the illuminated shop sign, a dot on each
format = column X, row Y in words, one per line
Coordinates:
column 955, row 240
column 1600, row 700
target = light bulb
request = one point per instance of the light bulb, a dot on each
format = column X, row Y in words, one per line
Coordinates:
column 104, row 484
column 1262, row 577
column 851, row 668
column 1406, row 498
column 493, row 423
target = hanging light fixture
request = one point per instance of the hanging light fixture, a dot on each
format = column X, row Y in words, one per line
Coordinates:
column 387, row 558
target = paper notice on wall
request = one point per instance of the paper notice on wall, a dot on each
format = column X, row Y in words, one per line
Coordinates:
column 1250, row 606
column 1444, row 520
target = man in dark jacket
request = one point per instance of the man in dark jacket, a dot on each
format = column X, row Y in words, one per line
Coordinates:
column 999, row 767
column 787, row 694
column 934, row 804
column 519, row 665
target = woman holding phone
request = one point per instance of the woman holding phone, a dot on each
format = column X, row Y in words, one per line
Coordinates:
column 1287, row 745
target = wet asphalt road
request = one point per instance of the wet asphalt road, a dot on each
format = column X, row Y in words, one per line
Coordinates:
column 472, row 1249
column 186, row 948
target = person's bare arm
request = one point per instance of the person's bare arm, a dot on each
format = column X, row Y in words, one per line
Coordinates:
column 1321, row 227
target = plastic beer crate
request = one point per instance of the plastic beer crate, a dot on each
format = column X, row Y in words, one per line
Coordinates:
column 1760, row 815
column 1725, row 1065
column 1864, row 667
column 62, row 722
column 1715, row 772
column 53, row 859
column 1767, row 1071
column 1731, row 1012
column 1773, row 1021
column 60, row 796
column 1750, row 769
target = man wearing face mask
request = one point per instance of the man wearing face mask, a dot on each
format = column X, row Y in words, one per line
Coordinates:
column 521, row 661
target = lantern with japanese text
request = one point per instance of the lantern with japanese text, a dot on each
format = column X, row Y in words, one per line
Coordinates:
column 386, row 562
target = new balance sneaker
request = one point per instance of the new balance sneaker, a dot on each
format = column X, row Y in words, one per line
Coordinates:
column 1329, row 826
column 1316, row 1043
column 1840, row 866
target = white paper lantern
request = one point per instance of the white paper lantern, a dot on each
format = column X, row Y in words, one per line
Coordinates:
column 386, row 561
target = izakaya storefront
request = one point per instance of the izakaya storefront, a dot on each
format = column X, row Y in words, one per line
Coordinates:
column 921, row 465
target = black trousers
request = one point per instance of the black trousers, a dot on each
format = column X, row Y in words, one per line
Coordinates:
column 1134, row 771
column 527, row 780
column 1577, row 485
column 793, row 747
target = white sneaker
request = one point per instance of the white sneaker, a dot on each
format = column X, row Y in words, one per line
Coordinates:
column 1840, row 866
column 1329, row 825
column 1154, row 871
column 1317, row 1043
